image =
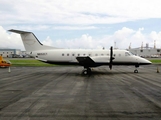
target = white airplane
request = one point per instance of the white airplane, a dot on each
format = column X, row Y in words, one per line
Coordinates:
column 85, row 58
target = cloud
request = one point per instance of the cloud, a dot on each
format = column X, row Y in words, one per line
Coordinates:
column 122, row 37
column 29, row 27
column 10, row 40
column 74, row 27
column 77, row 11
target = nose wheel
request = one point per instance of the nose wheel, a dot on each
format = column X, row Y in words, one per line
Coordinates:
column 135, row 71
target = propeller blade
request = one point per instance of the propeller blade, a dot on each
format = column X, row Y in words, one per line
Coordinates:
column 111, row 57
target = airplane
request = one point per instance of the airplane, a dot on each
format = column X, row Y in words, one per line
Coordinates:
column 86, row 58
column 4, row 63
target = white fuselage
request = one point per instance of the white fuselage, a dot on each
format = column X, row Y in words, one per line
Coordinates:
column 86, row 58
column 102, row 57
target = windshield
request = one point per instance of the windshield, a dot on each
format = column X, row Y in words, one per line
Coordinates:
column 128, row 54
column 131, row 53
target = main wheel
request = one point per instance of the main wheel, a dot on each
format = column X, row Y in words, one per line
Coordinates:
column 85, row 72
column 135, row 71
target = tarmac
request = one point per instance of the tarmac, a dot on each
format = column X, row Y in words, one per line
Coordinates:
column 63, row 93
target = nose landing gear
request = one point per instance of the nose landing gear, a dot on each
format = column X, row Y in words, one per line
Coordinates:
column 136, row 70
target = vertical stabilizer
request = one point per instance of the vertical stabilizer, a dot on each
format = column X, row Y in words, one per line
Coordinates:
column 31, row 43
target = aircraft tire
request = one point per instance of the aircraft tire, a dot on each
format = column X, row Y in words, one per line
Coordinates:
column 135, row 71
column 85, row 72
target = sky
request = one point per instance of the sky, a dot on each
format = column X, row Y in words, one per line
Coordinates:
column 82, row 24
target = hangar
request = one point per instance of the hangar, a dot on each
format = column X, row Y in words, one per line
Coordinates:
column 146, row 51
column 10, row 52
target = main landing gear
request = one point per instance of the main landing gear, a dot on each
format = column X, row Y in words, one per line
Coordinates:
column 86, row 71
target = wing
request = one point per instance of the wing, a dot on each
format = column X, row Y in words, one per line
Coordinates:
column 85, row 61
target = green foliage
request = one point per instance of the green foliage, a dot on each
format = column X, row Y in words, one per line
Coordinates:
column 156, row 61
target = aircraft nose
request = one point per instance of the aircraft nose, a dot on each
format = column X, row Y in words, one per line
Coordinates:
column 145, row 61
column 148, row 62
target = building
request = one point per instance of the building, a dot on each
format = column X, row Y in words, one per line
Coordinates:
column 10, row 52
column 146, row 52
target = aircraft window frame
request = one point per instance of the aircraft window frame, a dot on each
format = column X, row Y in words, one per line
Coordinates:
column 131, row 54
column 127, row 54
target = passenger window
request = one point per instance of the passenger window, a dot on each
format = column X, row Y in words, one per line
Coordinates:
column 67, row 54
column 62, row 54
column 96, row 54
column 102, row 54
column 72, row 54
column 78, row 54
column 119, row 55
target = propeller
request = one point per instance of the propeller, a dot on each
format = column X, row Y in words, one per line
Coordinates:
column 111, row 57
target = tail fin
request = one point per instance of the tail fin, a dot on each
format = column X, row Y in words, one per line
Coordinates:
column 31, row 43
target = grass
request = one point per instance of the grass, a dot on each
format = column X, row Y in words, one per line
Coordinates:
column 36, row 63
column 156, row 61
column 33, row 63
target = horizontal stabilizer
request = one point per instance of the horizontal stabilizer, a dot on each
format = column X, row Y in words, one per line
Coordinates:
column 41, row 59
column 18, row 31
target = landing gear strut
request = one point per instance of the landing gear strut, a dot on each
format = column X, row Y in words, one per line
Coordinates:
column 86, row 71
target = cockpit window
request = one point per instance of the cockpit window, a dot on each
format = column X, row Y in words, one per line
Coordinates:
column 131, row 53
column 128, row 54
